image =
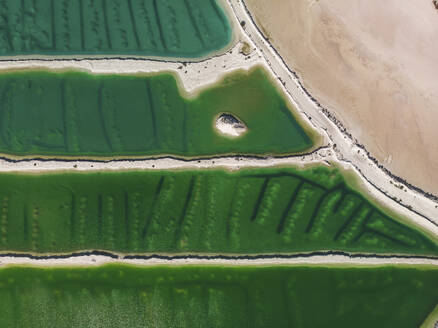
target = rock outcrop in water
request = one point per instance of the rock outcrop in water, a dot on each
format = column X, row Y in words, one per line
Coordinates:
column 229, row 125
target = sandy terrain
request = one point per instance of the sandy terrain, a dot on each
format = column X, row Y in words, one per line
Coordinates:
column 374, row 65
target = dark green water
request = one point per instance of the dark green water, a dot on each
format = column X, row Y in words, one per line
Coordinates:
column 75, row 114
column 168, row 28
column 251, row 211
column 123, row 296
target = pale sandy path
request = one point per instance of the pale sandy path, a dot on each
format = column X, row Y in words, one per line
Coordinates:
column 316, row 260
column 321, row 156
column 193, row 76
column 374, row 65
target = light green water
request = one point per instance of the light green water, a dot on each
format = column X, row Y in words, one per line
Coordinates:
column 250, row 211
column 182, row 28
column 123, row 296
column 74, row 114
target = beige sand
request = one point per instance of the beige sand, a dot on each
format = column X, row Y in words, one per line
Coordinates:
column 374, row 64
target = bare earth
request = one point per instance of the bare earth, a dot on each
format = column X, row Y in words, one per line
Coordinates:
column 374, row 64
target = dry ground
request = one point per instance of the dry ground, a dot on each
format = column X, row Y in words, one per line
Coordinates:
column 375, row 65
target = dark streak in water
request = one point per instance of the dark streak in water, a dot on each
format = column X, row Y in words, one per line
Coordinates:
column 99, row 215
column 160, row 27
column 218, row 13
column 25, row 225
column 52, row 11
column 184, row 130
column 195, row 26
column 134, row 25
column 72, row 217
column 341, row 199
column 384, row 235
column 126, row 214
column 352, row 216
column 102, row 117
column 152, row 111
column 105, row 19
column 363, row 227
column 4, row 137
column 206, row 302
column 81, row 17
column 64, row 116
column 152, row 208
column 230, row 209
column 185, row 209
column 315, row 211
column 289, row 206
column 288, row 174
column 260, row 198
column 22, row 16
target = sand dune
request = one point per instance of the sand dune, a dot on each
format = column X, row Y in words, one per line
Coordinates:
column 372, row 63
